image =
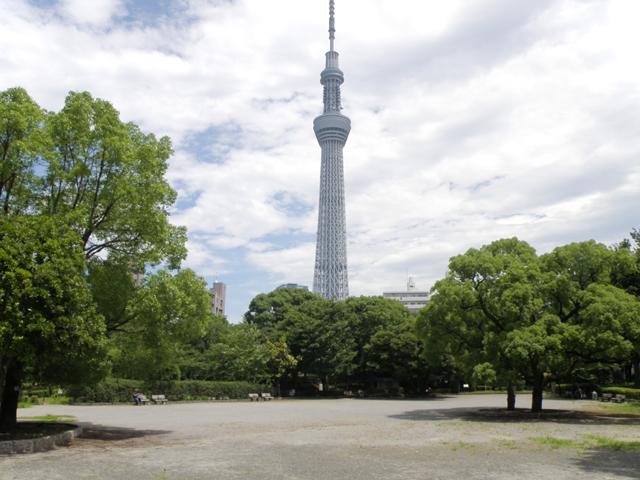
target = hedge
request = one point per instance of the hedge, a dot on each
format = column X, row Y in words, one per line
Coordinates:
column 114, row 390
column 627, row 392
column 571, row 389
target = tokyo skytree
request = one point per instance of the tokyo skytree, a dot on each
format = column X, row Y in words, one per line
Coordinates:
column 330, row 279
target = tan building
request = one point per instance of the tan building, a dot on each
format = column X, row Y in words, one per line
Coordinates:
column 413, row 299
column 218, row 297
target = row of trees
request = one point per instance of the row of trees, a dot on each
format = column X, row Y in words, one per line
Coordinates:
column 505, row 312
column 351, row 343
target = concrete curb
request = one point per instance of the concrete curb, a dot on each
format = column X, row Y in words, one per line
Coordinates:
column 42, row 444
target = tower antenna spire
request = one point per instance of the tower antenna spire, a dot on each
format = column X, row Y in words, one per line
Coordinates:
column 332, row 23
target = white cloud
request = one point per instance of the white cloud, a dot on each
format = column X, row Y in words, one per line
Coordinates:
column 92, row 12
column 472, row 121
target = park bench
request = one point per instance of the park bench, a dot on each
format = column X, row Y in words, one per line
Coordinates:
column 266, row 396
column 140, row 400
column 254, row 397
column 159, row 399
column 619, row 398
column 606, row 397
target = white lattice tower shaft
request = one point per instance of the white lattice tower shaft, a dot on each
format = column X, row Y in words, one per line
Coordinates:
column 330, row 278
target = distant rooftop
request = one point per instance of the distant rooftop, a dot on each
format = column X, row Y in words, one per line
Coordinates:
column 293, row 285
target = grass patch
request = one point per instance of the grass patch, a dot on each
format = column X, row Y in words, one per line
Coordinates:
column 632, row 409
column 604, row 442
column 29, row 402
column 461, row 446
column 508, row 444
column 50, row 418
column 555, row 443
column 590, row 441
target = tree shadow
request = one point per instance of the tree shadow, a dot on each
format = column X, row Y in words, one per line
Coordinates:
column 501, row 415
column 430, row 398
column 105, row 433
column 623, row 463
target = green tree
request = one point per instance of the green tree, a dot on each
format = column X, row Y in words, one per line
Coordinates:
column 487, row 293
column 49, row 329
column 318, row 335
column 108, row 176
column 267, row 310
column 166, row 313
column 366, row 316
column 114, row 288
column 626, row 275
column 197, row 361
column 530, row 316
column 394, row 351
column 21, row 144
column 484, row 374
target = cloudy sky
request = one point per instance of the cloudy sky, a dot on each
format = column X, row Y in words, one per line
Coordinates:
column 472, row 120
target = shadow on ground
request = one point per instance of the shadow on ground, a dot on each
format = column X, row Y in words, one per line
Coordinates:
column 623, row 463
column 115, row 434
column 501, row 415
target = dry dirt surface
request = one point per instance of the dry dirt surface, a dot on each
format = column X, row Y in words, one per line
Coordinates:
column 463, row 437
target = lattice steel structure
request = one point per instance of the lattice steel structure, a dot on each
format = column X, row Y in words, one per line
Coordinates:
column 330, row 278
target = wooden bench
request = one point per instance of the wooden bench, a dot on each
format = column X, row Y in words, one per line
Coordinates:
column 140, row 400
column 619, row 398
column 266, row 396
column 606, row 397
column 254, row 397
column 159, row 399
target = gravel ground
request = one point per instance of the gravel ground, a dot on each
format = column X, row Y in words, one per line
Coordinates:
column 453, row 437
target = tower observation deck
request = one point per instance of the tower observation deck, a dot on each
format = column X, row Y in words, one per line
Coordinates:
column 330, row 279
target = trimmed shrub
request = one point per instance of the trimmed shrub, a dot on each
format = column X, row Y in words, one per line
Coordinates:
column 633, row 393
column 573, row 390
column 110, row 390
column 115, row 390
column 204, row 390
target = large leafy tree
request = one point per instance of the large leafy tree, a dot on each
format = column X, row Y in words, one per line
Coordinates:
column 394, row 351
column 367, row 316
column 530, row 316
column 318, row 335
column 21, row 144
column 487, row 294
column 267, row 310
column 626, row 275
column 109, row 177
column 163, row 316
column 103, row 178
column 50, row 329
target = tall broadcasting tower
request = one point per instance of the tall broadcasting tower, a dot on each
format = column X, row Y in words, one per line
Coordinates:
column 330, row 278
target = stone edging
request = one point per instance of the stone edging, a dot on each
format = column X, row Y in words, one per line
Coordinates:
column 42, row 444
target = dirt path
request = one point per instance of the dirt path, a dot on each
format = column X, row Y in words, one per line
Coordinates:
column 456, row 437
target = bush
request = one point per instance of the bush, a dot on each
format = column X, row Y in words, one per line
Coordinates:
column 110, row 390
column 573, row 390
column 204, row 390
column 115, row 390
column 633, row 393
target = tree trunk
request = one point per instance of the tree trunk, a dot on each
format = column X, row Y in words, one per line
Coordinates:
column 538, row 389
column 10, row 394
column 3, row 374
column 511, row 396
column 636, row 372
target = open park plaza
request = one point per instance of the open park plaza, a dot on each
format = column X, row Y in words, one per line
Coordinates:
column 466, row 436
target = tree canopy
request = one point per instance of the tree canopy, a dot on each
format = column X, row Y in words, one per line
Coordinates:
column 99, row 183
column 530, row 317
column 50, row 327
